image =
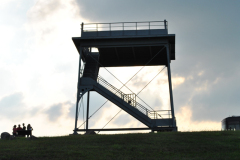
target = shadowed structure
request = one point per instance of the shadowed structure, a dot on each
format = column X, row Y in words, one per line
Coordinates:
column 124, row 44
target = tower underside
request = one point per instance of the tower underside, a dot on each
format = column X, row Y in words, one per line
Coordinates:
column 129, row 51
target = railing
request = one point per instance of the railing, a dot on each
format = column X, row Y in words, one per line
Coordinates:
column 160, row 114
column 121, row 26
column 131, row 101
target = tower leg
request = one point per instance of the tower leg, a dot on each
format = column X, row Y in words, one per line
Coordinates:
column 170, row 87
column 87, row 111
column 78, row 93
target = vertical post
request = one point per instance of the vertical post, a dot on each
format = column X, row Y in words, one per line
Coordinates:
column 165, row 24
column 87, row 111
column 97, row 27
column 136, row 29
column 123, row 28
column 170, row 85
column 78, row 92
column 110, row 29
column 82, row 28
column 149, row 28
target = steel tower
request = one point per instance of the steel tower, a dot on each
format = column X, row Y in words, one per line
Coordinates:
column 120, row 45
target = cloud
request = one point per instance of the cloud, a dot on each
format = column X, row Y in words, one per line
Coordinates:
column 185, row 122
column 4, row 3
column 15, row 111
column 55, row 111
column 52, row 60
column 121, row 120
column 12, row 106
column 40, row 72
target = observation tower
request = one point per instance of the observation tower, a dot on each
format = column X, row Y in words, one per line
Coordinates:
column 124, row 44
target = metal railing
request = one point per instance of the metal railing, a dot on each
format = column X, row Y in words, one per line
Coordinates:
column 128, row 99
column 121, row 26
column 131, row 100
column 160, row 114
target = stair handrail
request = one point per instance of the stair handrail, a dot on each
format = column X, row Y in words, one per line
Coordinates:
column 120, row 94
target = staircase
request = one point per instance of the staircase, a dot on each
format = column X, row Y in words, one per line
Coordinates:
column 128, row 98
column 91, row 68
column 91, row 81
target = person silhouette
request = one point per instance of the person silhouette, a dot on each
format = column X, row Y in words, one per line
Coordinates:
column 19, row 128
column 14, row 130
column 29, row 128
column 24, row 128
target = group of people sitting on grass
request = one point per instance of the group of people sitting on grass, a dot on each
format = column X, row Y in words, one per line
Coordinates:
column 19, row 128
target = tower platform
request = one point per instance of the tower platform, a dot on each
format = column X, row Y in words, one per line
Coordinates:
column 118, row 48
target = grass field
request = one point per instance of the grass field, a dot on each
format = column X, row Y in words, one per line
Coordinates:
column 164, row 145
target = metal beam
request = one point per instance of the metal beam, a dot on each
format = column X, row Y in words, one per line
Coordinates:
column 132, row 45
column 126, row 129
column 87, row 110
column 170, row 85
column 78, row 91
column 120, row 41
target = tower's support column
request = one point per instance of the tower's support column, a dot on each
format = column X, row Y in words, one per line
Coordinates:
column 87, row 111
column 78, row 92
column 170, row 86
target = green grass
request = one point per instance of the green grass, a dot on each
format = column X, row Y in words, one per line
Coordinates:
column 165, row 145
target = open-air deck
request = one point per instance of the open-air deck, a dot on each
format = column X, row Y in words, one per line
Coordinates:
column 128, row 43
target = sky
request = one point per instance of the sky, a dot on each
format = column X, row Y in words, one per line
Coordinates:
column 39, row 63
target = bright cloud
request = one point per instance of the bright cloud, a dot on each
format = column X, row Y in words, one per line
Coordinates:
column 185, row 122
column 45, row 81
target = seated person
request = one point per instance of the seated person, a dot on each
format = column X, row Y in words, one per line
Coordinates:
column 19, row 128
column 14, row 130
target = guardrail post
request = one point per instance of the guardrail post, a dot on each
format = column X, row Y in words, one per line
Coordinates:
column 123, row 26
column 136, row 29
column 82, row 28
column 97, row 28
column 165, row 24
column 110, row 29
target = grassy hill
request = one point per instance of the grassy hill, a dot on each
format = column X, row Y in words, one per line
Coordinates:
column 165, row 145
